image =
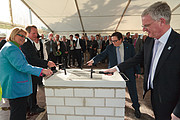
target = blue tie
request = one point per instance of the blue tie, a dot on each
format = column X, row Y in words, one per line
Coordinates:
column 118, row 55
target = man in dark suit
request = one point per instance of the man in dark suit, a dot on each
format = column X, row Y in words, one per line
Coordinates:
column 71, row 51
column 65, row 51
column 93, row 45
column 31, row 53
column 127, row 38
column 79, row 46
column 51, row 48
column 125, row 52
column 161, row 62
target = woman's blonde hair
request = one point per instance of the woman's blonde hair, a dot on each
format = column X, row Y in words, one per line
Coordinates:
column 14, row 32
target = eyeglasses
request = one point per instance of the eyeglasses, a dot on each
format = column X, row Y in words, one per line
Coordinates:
column 22, row 36
column 114, row 41
column 147, row 25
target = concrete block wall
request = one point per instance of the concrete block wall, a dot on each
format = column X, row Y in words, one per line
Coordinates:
column 85, row 103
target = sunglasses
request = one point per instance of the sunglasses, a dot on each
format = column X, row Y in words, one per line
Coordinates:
column 22, row 36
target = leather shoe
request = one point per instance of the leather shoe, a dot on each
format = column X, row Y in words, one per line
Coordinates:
column 137, row 113
column 37, row 110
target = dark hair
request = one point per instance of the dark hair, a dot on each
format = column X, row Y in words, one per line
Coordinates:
column 77, row 34
column 117, row 34
column 71, row 36
column 127, row 33
column 28, row 28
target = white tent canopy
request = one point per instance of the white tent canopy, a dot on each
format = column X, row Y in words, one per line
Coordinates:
column 96, row 16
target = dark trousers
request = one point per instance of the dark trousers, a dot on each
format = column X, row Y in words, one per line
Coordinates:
column 40, row 80
column 53, row 58
column 64, row 60
column 131, row 85
column 71, row 57
column 32, row 100
column 162, row 111
column 78, row 56
column 18, row 108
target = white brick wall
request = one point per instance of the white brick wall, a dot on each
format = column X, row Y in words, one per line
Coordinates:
column 56, row 117
column 104, row 111
column 94, row 118
column 85, row 104
column 115, row 102
column 76, row 118
column 74, row 101
column 54, row 101
column 120, row 93
column 51, row 109
column 49, row 92
column 114, row 118
column 94, row 102
column 65, row 110
column 83, row 92
column 119, row 112
column 84, row 111
column 104, row 92
column 64, row 92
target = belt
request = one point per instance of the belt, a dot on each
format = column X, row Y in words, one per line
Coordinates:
column 5, row 108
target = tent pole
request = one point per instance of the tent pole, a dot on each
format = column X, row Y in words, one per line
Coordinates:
column 10, row 10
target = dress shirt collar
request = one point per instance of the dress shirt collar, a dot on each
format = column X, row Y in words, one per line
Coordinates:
column 122, row 44
column 31, row 40
column 163, row 39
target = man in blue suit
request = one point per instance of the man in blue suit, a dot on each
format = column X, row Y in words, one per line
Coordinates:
column 125, row 52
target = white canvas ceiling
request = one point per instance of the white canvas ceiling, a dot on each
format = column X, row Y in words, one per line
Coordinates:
column 96, row 16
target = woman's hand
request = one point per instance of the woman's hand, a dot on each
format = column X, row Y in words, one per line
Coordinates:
column 47, row 72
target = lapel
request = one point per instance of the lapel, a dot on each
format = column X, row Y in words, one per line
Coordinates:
column 168, row 48
column 125, row 51
column 32, row 45
column 148, row 49
column 113, row 53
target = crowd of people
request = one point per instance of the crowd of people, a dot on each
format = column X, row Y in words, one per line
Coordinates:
column 74, row 51
column 26, row 56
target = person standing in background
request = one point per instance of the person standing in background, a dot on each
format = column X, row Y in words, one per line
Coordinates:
column 51, row 48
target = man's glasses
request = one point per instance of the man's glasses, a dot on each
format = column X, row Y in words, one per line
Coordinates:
column 147, row 25
column 22, row 36
column 114, row 41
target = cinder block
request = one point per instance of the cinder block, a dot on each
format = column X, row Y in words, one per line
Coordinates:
column 51, row 109
column 84, row 110
column 104, row 111
column 120, row 93
column 54, row 101
column 119, row 112
column 65, row 110
column 56, row 117
column 83, row 92
column 114, row 118
column 64, row 92
column 75, row 118
column 74, row 101
column 94, row 118
column 104, row 92
column 94, row 101
column 115, row 102
column 49, row 92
